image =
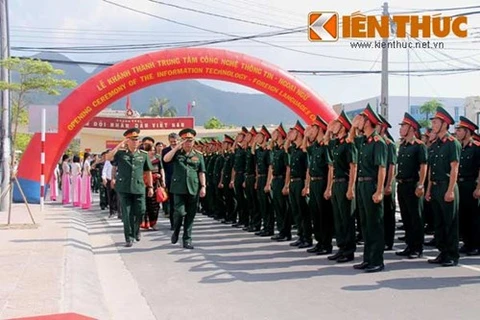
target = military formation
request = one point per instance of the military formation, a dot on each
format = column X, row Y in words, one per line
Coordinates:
column 342, row 180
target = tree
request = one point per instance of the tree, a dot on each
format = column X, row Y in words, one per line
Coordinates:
column 213, row 123
column 428, row 108
column 170, row 112
column 157, row 106
column 35, row 76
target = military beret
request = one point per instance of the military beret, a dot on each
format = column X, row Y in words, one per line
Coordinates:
column 132, row 133
column 187, row 133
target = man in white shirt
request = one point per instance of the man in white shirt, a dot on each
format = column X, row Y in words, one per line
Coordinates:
column 111, row 193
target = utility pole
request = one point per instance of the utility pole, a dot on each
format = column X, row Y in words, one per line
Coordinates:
column 384, row 89
column 5, row 103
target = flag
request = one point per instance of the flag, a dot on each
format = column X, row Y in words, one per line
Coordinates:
column 128, row 107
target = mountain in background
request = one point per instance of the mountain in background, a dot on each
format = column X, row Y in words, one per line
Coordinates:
column 229, row 107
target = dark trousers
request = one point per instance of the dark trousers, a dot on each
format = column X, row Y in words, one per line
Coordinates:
column 371, row 219
column 112, row 198
column 133, row 209
column 469, row 215
column 265, row 206
column 389, row 207
column 242, row 212
column 185, row 211
column 220, row 203
column 230, row 203
column 411, row 210
column 344, row 218
column 321, row 212
column 254, row 216
column 280, row 207
column 300, row 212
column 446, row 221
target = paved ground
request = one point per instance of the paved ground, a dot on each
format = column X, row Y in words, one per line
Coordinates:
column 75, row 261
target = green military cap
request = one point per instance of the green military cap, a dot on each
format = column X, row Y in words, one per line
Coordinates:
column 408, row 119
column 344, row 120
column 384, row 123
column 265, row 132
column 132, row 133
column 371, row 115
column 187, row 133
column 443, row 115
column 150, row 139
column 243, row 131
column 282, row 131
column 253, row 131
column 228, row 139
column 298, row 126
column 466, row 123
column 319, row 122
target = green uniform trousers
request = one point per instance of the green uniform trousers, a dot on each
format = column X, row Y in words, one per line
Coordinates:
column 242, row 212
column 371, row 219
column 469, row 215
column 411, row 209
column 220, row 203
column 211, row 197
column 300, row 212
column 446, row 221
column 230, row 204
column 254, row 216
column 389, row 218
column 344, row 218
column 321, row 212
column 185, row 209
column 264, row 205
column 280, row 207
column 133, row 209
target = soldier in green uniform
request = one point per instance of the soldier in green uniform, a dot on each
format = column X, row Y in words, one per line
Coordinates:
column 429, row 138
column 411, row 176
column 238, row 179
column 275, row 183
column 219, row 213
column 262, row 161
column 389, row 203
column 228, row 194
column 254, row 217
column 129, row 184
column 188, row 184
column 319, row 180
column 468, row 174
column 211, row 185
column 295, row 182
column 442, row 189
column 344, row 159
column 372, row 162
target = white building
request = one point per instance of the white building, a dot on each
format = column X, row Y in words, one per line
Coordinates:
column 398, row 105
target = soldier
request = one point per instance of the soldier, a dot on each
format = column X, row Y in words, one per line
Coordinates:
column 254, row 218
column 389, row 203
column 219, row 213
column 238, row 178
column 443, row 190
column 344, row 159
column 319, row 180
column 428, row 138
column 469, row 188
column 168, row 167
column 229, row 194
column 412, row 171
column 188, row 184
column 210, row 176
column 372, row 160
column 262, row 161
column 275, row 183
column 294, row 184
column 129, row 183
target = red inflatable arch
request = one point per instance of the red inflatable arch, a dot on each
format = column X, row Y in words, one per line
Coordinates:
column 167, row 65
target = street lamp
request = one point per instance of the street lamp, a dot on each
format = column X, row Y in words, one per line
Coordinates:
column 190, row 106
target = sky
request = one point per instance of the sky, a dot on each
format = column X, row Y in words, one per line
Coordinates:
column 67, row 23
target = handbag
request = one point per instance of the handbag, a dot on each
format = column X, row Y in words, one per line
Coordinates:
column 161, row 194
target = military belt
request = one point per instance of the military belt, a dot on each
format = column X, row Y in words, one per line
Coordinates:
column 249, row 175
column 439, row 182
column 340, row 180
column 465, row 179
column 262, row 175
column 406, row 180
column 363, row 179
column 277, row 177
column 295, row 179
column 316, row 178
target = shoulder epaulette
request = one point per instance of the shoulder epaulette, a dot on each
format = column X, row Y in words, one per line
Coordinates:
column 477, row 143
column 451, row 138
column 418, row 141
column 143, row 151
column 347, row 140
column 377, row 138
column 388, row 141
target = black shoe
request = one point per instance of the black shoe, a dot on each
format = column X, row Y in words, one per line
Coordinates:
column 438, row 260
column 129, row 244
column 375, row 268
column 284, row 238
column 449, row 263
column 346, row 258
column 431, row 243
column 238, row 225
column 401, row 227
column 188, row 246
column 474, row 252
column 267, row 234
column 361, row 266
column 463, row 249
column 415, row 255
column 305, row 244
column 388, row 248
column 259, row 233
column 403, row 253
column 335, row 256
column 323, row 251
column 276, row 237
column 246, row 228
column 174, row 238
column 315, row 249
column 252, row 229
column 402, row 238
column 296, row 243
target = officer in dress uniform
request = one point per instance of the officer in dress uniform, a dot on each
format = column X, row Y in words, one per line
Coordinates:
column 468, row 174
column 217, row 179
column 389, row 203
column 238, row 178
column 229, row 194
column 411, row 177
column 295, row 182
column 188, row 184
column 254, row 217
column 211, row 185
column 372, row 162
column 443, row 190
column 129, row 184
column 319, row 180
column 344, row 158
column 275, row 183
